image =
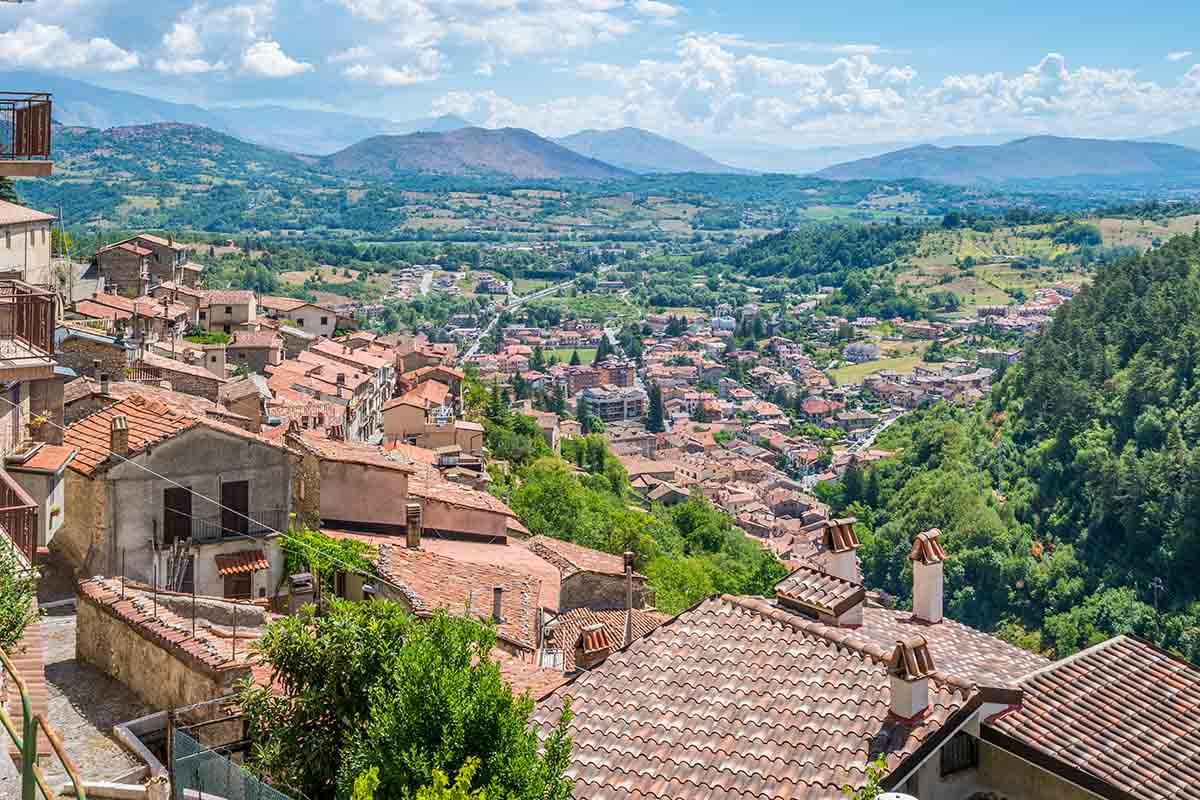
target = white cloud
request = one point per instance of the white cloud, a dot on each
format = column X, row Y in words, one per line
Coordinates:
column 1179, row 55
column 183, row 47
column 737, row 41
column 662, row 12
column 352, row 54
column 266, row 59
column 427, row 66
column 50, row 47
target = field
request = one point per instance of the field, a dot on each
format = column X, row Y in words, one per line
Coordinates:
column 1142, row 233
column 586, row 354
column 854, row 373
column 524, row 286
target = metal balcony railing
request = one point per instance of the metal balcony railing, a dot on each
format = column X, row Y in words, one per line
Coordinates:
column 231, row 526
column 27, row 319
column 18, row 516
column 25, row 126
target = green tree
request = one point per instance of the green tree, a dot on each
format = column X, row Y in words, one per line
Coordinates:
column 8, row 192
column 441, row 789
column 18, row 586
column 409, row 699
column 575, row 360
column 655, row 417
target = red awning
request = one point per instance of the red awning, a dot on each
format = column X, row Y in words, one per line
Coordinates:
column 242, row 562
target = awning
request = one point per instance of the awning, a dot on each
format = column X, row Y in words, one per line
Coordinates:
column 241, row 562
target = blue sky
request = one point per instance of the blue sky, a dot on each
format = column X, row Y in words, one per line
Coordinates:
column 789, row 73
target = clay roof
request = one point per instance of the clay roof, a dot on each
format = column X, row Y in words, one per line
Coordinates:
column 958, row 649
column 158, row 240
column 1121, row 719
column 149, row 422
column 737, row 698
column 86, row 388
column 166, row 628
column 49, row 458
column 430, row 581
column 525, row 677
column 241, row 562
column 813, row 590
column 454, row 494
column 564, row 633
column 368, row 455
column 13, row 214
column 256, row 339
column 571, row 558
column 229, row 297
column 839, row 535
column 90, row 308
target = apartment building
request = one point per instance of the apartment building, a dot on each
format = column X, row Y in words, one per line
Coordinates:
column 613, row 404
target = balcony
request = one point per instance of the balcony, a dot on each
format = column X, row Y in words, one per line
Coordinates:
column 235, row 526
column 18, row 516
column 25, row 119
column 27, row 320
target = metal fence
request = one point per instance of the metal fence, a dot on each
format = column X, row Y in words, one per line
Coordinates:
column 203, row 772
column 25, row 120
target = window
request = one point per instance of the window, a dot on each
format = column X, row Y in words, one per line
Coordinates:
column 228, row 309
column 8, row 239
column 324, row 320
column 238, row 587
column 203, row 316
column 177, row 515
column 300, row 321
column 235, row 502
column 960, row 753
column 214, row 359
column 226, row 329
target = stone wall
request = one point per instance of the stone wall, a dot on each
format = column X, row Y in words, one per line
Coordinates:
column 46, row 399
column 596, row 591
column 306, row 490
column 160, row 675
column 82, row 541
column 208, row 387
column 122, row 271
column 254, row 359
column 79, row 354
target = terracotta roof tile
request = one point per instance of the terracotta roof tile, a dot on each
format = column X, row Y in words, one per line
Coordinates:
column 241, row 562
column 49, row 458
column 565, row 631
column 813, row 590
column 525, row 677
column 1124, row 713
column 736, row 699
column 430, row 581
column 571, row 558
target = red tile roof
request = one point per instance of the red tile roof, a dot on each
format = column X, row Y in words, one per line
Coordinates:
column 564, row 633
column 739, row 699
column 571, row 558
column 49, row 458
column 1121, row 719
column 149, row 422
column 525, row 677
column 429, row 581
column 256, row 339
column 241, row 562
column 811, row 589
column 368, row 455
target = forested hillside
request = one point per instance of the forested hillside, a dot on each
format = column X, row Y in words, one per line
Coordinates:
column 1069, row 504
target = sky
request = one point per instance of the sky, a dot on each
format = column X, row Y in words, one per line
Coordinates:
column 787, row 73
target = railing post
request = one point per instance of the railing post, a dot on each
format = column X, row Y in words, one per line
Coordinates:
column 28, row 750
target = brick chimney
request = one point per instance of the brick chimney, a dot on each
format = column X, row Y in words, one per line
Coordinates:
column 839, row 546
column 119, row 435
column 593, row 646
column 927, row 556
column 908, row 673
column 412, row 527
column 497, row 603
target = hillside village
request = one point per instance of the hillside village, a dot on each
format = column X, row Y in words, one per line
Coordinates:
column 631, row 499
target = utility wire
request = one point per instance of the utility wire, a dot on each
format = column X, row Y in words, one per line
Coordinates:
column 235, row 534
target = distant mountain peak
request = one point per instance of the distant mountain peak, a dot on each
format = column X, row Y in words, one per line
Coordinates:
column 1033, row 157
column 641, row 151
column 514, row 152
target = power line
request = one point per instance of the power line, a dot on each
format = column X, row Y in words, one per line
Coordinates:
column 236, row 534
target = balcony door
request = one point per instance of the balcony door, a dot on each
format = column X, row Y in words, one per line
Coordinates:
column 177, row 515
column 235, row 507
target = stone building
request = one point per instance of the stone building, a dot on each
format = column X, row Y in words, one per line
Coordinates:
column 160, row 524
column 589, row 578
column 25, row 244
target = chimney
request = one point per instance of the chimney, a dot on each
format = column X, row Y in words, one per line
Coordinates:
column 908, row 674
column 497, row 598
column 927, row 556
column 839, row 545
column 628, row 598
column 119, row 435
column 96, row 367
column 412, row 527
column 104, row 383
column 593, row 646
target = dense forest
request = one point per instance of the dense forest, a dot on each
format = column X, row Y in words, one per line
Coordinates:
column 1070, row 501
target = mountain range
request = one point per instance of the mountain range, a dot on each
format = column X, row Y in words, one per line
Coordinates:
column 1031, row 158
column 640, row 151
column 512, row 152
